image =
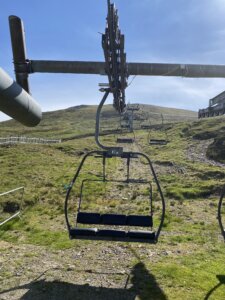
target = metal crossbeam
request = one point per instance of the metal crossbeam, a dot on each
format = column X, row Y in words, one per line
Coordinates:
column 115, row 66
column 135, row 68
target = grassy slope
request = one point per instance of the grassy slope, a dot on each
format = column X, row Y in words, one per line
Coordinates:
column 190, row 253
column 79, row 120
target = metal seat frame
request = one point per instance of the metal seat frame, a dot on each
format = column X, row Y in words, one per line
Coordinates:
column 125, row 155
column 158, row 142
column 128, row 180
column 106, row 153
column 123, row 129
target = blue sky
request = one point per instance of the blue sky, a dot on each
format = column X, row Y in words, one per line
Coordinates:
column 173, row 31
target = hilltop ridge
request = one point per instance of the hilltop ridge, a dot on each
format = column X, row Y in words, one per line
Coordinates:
column 80, row 119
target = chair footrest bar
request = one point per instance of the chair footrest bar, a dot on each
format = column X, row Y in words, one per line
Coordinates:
column 111, row 233
column 83, row 231
column 114, row 235
column 158, row 142
column 141, row 234
column 125, row 140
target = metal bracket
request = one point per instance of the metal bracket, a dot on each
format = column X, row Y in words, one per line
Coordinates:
column 23, row 67
column 113, row 151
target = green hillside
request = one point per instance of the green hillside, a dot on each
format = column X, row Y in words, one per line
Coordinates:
column 39, row 261
column 80, row 120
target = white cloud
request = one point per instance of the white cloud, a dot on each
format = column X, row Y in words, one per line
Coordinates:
column 175, row 92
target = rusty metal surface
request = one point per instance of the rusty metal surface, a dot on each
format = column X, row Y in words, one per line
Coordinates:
column 115, row 58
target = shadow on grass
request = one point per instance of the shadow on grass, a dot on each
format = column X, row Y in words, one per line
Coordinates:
column 221, row 279
column 143, row 284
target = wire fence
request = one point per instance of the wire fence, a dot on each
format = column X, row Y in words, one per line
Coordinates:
column 27, row 140
column 10, row 204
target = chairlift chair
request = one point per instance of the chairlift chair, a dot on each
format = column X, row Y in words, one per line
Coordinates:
column 146, row 123
column 126, row 126
column 160, row 142
column 109, row 221
column 117, row 72
column 145, row 126
column 125, row 140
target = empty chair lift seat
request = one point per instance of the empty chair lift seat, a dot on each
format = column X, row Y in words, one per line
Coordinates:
column 125, row 140
column 110, row 234
column 158, row 142
column 146, row 126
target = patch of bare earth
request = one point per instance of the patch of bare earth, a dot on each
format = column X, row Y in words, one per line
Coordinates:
column 197, row 152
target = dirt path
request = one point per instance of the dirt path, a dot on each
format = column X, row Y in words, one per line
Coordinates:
column 197, row 152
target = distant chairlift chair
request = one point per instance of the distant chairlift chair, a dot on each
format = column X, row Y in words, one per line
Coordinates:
column 126, row 126
column 160, row 142
column 125, row 140
column 145, row 122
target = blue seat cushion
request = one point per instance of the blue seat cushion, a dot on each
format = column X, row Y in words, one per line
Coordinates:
column 113, row 219
column 88, row 218
column 141, row 235
column 143, row 221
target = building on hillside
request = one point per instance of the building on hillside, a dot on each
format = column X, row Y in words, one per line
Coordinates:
column 216, row 107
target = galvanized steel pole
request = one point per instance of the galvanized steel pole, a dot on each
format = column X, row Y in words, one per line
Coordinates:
column 73, row 67
column 17, row 103
column 180, row 70
column 23, row 66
